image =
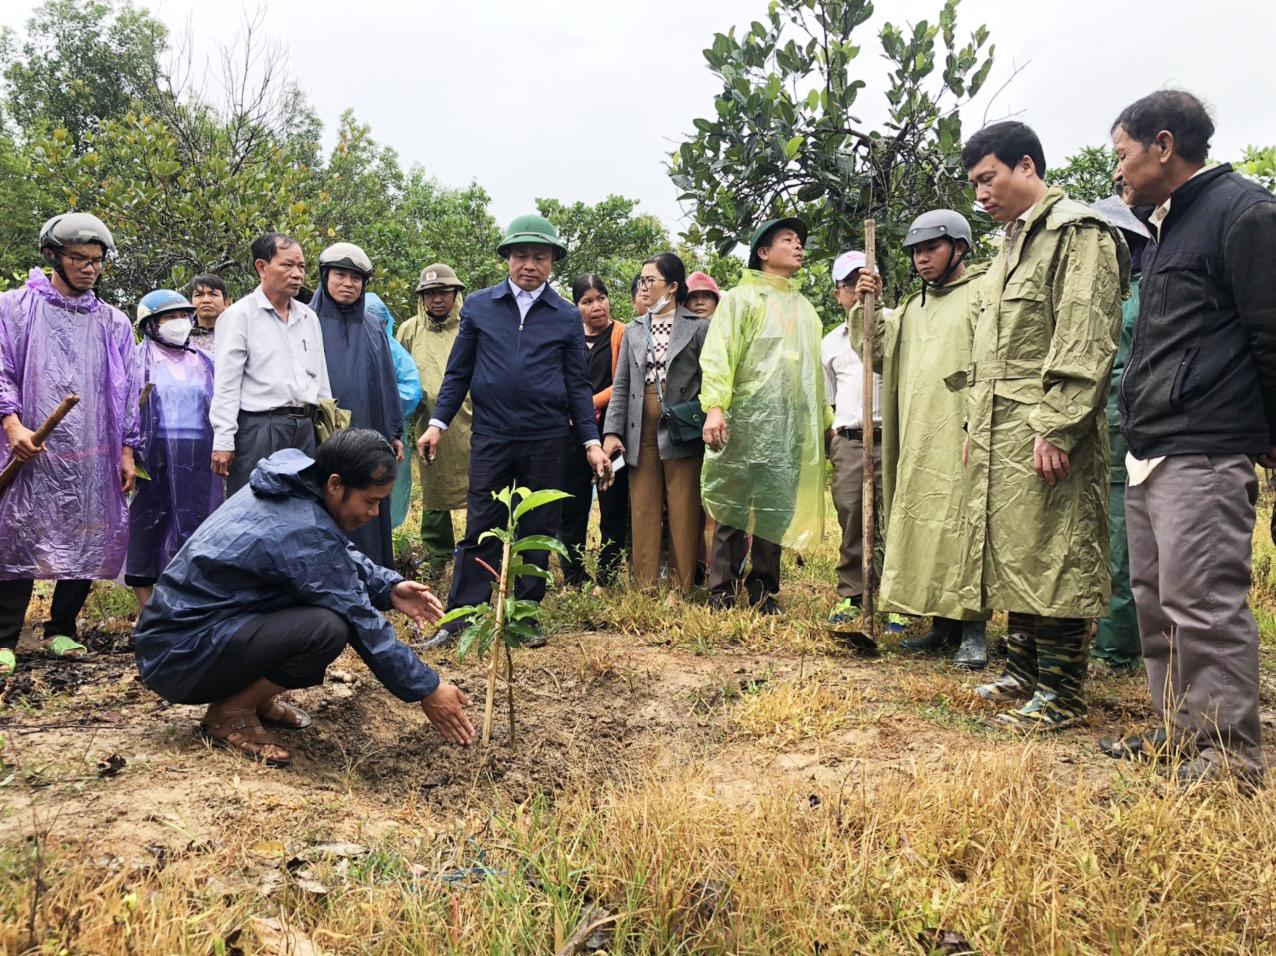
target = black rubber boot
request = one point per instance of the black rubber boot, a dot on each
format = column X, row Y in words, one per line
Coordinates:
column 973, row 653
column 944, row 635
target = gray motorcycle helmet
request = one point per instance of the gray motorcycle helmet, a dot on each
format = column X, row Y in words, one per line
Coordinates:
column 939, row 224
column 74, row 228
column 346, row 255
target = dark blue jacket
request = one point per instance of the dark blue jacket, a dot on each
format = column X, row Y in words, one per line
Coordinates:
column 270, row 547
column 528, row 380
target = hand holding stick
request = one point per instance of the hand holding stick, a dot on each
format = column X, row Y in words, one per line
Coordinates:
column 37, row 439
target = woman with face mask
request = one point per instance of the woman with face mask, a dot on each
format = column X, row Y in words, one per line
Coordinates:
column 176, row 490
column 650, row 418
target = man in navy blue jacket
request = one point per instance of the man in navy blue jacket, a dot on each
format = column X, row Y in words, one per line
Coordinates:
column 520, row 354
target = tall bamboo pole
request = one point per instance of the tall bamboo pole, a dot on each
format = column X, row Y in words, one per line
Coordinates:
column 870, row 335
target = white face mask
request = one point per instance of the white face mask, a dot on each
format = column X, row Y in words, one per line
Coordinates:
column 175, row 331
column 660, row 304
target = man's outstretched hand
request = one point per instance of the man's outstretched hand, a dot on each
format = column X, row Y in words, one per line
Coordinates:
column 445, row 709
column 416, row 601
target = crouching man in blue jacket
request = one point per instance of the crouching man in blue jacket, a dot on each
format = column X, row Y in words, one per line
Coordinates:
column 269, row 591
column 520, row 355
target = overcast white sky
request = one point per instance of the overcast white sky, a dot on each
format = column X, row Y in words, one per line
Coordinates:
column 577, row 99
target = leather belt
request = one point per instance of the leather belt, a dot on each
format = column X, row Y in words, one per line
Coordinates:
column 291, row 411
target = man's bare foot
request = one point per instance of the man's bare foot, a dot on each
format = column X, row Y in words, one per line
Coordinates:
column 242, row 733
column 277, row 712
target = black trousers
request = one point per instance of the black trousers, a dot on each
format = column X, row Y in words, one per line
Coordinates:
column 726, row 563
column 260, row 435
column 613, row 519
column 68, row 601
column 291, row 648
column 495, row 463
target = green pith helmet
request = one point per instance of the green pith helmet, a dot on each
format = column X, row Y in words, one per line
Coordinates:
column 438, row 276
column 531, row 230
column 768, row 227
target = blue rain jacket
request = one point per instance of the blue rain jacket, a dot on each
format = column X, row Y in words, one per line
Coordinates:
column 270, row 547
column 406, row 374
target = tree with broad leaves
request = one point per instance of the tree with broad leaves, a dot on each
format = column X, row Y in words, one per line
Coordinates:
column 784, row 137
column 1086, row 176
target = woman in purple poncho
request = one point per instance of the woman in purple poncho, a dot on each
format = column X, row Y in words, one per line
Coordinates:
column 179, row 490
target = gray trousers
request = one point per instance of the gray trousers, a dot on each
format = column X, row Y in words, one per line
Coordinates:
column 1190, row 527
column 847, row 458
column 260, row 435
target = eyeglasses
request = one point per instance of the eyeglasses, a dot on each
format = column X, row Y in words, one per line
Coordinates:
column 96, row 262
column 646, row 282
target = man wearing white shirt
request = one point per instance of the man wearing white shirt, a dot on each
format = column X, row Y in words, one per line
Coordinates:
column 844, row 385
column 270, row 372
column 520, row 356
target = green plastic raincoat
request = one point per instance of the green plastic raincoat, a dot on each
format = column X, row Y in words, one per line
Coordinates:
column 761, row 366
column 445, row 483
column 1044, row 341
column 916, row 346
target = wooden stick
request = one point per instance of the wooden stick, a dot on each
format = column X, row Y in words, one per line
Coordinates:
column 498, row 641
column 870, row 335
column 11, row 469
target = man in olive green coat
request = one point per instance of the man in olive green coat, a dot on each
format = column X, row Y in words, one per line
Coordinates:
column 428, row 337
column 1034, row 523
column 1116, row 641
column 916, row 345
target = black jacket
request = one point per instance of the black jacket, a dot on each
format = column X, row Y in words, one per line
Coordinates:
column 528, row 379
column 1201, row 376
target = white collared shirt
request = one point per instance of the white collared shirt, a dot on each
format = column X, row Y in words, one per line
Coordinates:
column 524, row 299
column 844, row 381
column 264, row 361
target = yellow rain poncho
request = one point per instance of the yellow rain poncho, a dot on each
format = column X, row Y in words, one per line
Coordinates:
column 444, row 484
column 917, row 345
column 761, row 366
column 1041, row 353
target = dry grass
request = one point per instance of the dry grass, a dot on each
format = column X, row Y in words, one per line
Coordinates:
column 996, row 850
column 1000, row 846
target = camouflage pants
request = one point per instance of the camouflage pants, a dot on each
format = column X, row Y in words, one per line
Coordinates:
column 1050, row 654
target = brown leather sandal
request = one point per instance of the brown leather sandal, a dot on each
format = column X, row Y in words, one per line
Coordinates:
column 245, row 736
column 292, row 717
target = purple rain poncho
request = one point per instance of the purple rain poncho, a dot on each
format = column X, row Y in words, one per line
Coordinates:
column 177, row 446
column 64, row 516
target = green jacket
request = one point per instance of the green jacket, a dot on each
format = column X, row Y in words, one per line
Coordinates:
column 1041, row 355
column 916, row 345
column 444, row 484
column 1129, row 315
column 761, row 365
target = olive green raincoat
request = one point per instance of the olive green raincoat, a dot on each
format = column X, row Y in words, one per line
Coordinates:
column 761, row 366
column 916, row 346
column 445, row 483
column 1044, row 340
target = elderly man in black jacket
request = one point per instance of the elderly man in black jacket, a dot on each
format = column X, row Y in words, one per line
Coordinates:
column 1198, row 407
column 520, row 355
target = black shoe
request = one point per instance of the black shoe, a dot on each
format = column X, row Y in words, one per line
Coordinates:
column 538, row 638
column 944, row 635
column 720, row 601
column 1148, row 748
column 768, row 606
column 973, row 653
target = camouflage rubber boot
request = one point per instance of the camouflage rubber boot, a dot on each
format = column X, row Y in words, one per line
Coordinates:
column 1019, row 679
column 973, row 653
column 1062, row 658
